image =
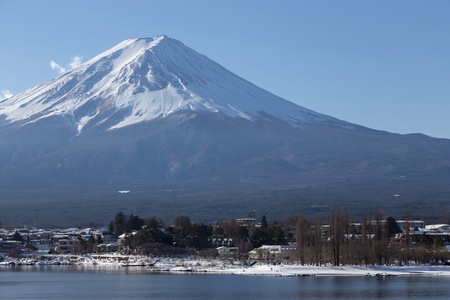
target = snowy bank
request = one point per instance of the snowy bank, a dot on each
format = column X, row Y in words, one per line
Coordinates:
column 224, row 266
column 235, row 267
column 297, row 270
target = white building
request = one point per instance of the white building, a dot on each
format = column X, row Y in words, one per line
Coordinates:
column 438, row 228
column 271, row 252
column 227, row 251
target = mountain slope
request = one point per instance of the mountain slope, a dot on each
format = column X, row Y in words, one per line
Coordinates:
column 143, row 79
column 152, row 115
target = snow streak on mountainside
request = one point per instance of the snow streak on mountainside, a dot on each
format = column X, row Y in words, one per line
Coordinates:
column 146, row 78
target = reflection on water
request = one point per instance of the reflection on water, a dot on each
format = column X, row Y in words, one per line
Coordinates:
column 406, row 287
column 91, row 282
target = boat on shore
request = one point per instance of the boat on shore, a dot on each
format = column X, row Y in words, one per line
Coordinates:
column 140, row 264
column 384, row 275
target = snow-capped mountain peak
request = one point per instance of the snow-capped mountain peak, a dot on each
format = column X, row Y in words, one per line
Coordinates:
column 146, row 78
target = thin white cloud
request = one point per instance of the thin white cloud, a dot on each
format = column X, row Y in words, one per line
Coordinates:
column 55, row 66
column 6, row 94
column 76, row 61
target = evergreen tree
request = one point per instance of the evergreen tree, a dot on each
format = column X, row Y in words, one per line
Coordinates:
column 276, row 235
column 392, row 227
column 17, row 237
column 260, row 237
column 264, row 224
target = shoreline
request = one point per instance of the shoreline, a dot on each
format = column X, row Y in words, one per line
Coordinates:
column 311, row 271
column 224, row 266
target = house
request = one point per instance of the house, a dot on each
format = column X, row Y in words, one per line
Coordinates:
column 67, row 246
column 411, row 223
column 247, row 222
column 108, row 247
column 398, row 239
column 121, row 241
column 56, row 238
column 438, row 228
column 41, row 240
column 10, row 246
column 271, row 252
column 108, row 237
column 227, row 251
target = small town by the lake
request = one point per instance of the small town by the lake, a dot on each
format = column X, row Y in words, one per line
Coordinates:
column 295, row 246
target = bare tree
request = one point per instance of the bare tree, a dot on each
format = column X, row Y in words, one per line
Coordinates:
column 318, row 240
column 181, row 221
column 302, row 237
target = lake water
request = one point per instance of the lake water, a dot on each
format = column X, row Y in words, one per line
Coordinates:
column 75, row 282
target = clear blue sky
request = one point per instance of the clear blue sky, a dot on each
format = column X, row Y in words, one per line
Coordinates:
column 383, row 64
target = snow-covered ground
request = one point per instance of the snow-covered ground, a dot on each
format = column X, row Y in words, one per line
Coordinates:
column 297, row 270
column 228, row 266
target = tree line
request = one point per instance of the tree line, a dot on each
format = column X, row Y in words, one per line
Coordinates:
column 151, row 236
column 335, row 239
column 343, row 242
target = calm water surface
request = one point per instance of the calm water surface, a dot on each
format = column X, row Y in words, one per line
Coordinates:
column 68, row 282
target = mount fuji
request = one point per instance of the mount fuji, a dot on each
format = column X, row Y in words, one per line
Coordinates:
column 147, row 78
column 151, row 115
